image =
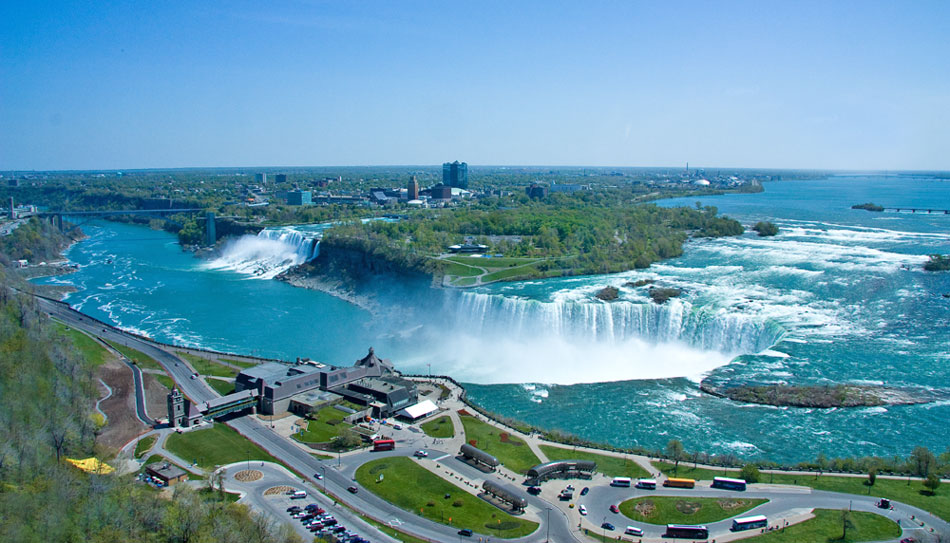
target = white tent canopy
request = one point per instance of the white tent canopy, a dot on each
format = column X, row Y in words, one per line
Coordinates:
column 421, row 409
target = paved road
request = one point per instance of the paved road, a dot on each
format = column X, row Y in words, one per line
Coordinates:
column 276, row 504
column 601, row 496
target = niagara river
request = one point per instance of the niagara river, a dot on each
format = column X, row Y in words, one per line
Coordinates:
column 838, row 296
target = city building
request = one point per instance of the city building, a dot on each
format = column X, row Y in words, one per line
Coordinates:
column 441, row 192
column 371, row 382
column 455, row 174
column 166, row 472
column 567, row 188
column 299, row 197
column 280, row 178
column 412, row 189
column 260, row 177
column 536, row 191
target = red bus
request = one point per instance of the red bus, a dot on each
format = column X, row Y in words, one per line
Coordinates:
column 384, row 445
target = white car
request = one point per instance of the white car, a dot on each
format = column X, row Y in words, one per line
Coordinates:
column 583, row 510
column 420, row 454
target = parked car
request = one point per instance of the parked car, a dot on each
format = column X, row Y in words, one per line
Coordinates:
column 607, row 526
column 614, row 508
column 633, row 530
column 534, row 490
column 584, row 491
column 582, row 510
column 466, row 532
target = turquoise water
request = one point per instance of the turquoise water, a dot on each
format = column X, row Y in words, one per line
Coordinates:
column 839, row 295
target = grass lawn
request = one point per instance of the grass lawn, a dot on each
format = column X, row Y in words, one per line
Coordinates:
column 221, row 387
column 328, row 424
column 206, row 367
column 141, row 359
column 687, row 471
column 493, row 262
column 460, row 270
column 509, row 450
column 510, row 272
column 912, row 494
column 144, row 445
column 165, row 380
column 440, row 427
column 415, row 489
column 610, row 466
column 239, row 363
column 464, row 282
column 215, row 446
column 88, row 347
column 895, row 489
column 826, row 527
column 673, row 510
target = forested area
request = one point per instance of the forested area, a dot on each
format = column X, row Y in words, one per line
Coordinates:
column 576, row 236
column 47, row 394
column 34, row 240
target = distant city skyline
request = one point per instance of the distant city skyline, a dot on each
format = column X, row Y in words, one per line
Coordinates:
column 808, row 85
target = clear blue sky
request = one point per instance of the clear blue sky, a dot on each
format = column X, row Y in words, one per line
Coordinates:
column 831, row 84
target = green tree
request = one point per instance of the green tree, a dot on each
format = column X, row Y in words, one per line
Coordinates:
column 765, row 228
column 675, row 450
column 922, row 461
column 932, row 482
column 872, row 476
column 750, row 472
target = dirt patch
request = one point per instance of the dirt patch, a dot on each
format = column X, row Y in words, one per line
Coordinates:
column 156, row 397
column 646, row 508
column 688, row 507
column 122, row 424
column 728, row 504
column 248, row 475
column 277, row 490
column 464, row 413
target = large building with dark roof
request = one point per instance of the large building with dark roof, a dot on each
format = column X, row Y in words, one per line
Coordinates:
column 371, row 381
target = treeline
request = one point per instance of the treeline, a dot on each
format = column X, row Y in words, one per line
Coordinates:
column 34, row 240
column 576, row 236
column 47, row 394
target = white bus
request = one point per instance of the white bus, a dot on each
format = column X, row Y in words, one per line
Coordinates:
column 748, row 523
column 620, row 481
column 647, row 484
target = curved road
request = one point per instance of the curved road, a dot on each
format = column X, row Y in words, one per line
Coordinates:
column 782, row 500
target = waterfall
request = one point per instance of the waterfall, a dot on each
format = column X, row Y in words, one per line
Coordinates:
column 676, row 321
column 269, row 253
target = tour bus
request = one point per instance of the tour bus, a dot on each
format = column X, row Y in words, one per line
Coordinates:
column 728, row 484
column 647, row 484
column 384, row 445
column 748, row 523
column 686, row 531
column 621, row 481
column 679, row 483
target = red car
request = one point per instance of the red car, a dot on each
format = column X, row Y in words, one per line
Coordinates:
column 614, row 509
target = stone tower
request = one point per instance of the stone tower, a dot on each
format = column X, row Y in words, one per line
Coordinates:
column 177, row 417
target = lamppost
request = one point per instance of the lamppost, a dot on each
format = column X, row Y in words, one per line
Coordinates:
column 430, row 368
column 324, row 470
column 604, row 526
column 547, row 538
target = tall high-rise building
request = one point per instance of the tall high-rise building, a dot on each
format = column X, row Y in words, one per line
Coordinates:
column 260, row 177
column 413, row 188
column 455, row 174
column 280, row 178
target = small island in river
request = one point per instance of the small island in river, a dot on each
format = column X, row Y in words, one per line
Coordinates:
column 868, row 207
column 823, row 396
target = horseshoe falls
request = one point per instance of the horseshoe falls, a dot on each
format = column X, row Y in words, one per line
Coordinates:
column 838, row 296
